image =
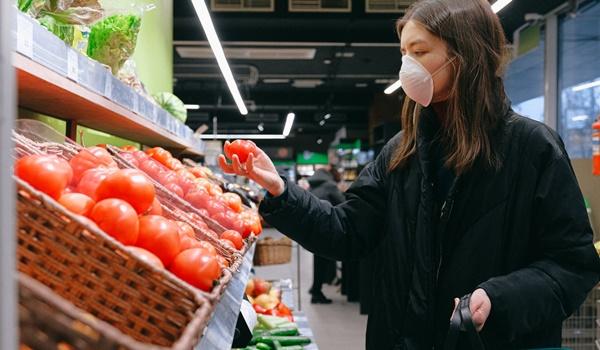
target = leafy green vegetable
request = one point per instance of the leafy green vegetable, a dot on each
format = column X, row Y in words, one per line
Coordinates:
column 64, row 31
column 171, row 104
column 112, row 40
column 24, row 5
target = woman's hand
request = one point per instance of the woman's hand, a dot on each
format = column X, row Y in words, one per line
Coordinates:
column 480, row 306
column 258, row 167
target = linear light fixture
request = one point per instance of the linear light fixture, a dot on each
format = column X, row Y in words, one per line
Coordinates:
column 586, row 86
column 242, row 136
column 215, row 44
column 395, row 86
column 192, row 107
column 499, row 5
column 289, row 121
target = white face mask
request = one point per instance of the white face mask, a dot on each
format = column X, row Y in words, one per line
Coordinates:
column 416, row 80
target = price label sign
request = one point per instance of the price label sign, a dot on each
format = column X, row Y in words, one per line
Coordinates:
column 24, row 36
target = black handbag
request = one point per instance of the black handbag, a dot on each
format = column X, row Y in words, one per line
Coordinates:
column 462, row 322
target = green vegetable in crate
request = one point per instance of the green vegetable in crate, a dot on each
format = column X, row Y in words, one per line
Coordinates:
column 263, row 346
column 112, row 40
column 171, row 104
column 297, row 340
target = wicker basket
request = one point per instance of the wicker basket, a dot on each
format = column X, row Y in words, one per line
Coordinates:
column 85, row 266
column 29, row 141
column 271, row 251
column 47, row 321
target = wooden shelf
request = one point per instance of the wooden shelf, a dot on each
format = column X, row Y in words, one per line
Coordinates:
column 45, row 91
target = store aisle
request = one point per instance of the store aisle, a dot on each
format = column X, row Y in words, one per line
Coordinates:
column 336, row 326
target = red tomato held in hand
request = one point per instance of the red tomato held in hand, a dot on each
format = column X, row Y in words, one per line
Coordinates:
column 117, row 218
column 242, row 148
column 235, row 238
column 146, row 256
column 77, row 203
column 233, row 201
column 130, row 185
column 197, row 267
column 160, row 236
column 46, row 173
column 91, row 179
column 156, row 208
column 185, row 229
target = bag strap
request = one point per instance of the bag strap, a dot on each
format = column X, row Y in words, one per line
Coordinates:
column 462, row 321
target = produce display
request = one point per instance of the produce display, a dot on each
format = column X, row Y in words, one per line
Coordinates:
column 195, row 186
column 171, row 104
column 276, row 333
column 266, row 300
column 123, row 204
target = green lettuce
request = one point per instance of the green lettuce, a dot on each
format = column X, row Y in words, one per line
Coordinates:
column 113, row 39
column 171, row 104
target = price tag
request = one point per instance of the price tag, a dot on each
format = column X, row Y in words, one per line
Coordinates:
column 24, row 36
column 72, row 65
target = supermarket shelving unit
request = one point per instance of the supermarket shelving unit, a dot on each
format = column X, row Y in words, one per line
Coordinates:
column 55, row 80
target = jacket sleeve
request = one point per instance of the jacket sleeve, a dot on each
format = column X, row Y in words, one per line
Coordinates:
column 343, row 232
column 566, row 266
column 335, row 195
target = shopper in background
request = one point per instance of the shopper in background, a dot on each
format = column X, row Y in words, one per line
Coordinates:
column 323, row 185
column 469, row 198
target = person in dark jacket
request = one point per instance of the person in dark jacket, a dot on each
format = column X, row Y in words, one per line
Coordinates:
column 469, row 199
column 323, row 186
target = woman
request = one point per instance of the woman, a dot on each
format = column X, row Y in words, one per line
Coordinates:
column 323, row 185
column 469, row 198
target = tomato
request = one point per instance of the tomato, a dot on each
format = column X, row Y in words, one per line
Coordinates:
column 174, row 164
column 130, row 158
column 187, row 242
column 46, row 173
column 77, row 203
column 173, row 187
column 167, row 176
column 117, row 218
column 215, row 190
column 242, row 226
column 160, row 236
column 235, row 238
column 225, row 218
column 197, row 267
column 146, row 256
column 140, row 156
column 183, row 172
column 214, row 207
column 160, row 154
column 186, row 184
column 222, row 262
column 129, row 148
column 91, row 179
column 233, row 201
column 227, row 243
column 185, row 229
column 156, row 208
column 198, row 172
column 241, row 148
column 130, row 185
column 152, row 168
column 204, row 183
column 198, row 198
column 211, row 248
column 89, row 158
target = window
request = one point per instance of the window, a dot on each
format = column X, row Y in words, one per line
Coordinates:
column 579, row 79
column 524, row 80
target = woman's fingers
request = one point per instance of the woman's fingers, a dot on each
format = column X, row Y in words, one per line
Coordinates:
column 250, row 163
column 224, row 166
column 237, row 167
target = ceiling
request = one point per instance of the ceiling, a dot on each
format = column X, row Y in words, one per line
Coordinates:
column 327, row 63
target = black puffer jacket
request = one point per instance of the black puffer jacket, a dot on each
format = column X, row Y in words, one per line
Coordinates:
column 323, row 187
column 521, row 233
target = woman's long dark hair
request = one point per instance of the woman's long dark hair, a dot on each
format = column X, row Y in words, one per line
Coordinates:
column 475, row 38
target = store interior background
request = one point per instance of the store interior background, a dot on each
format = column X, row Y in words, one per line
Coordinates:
column 329, row 61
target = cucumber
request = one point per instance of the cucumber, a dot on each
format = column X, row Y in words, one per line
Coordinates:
column 296, row 340
column 288, row 331
column 293, row 347
column 263, row 346
column 277, row 345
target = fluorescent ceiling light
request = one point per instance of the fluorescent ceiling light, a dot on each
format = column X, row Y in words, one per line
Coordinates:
column 192, row 107
column 499, row 5
column 395, row 86
column 215, row 44
column 580, row 118
column 289, row 121
column 276, row 81
column 242, row 136
column 327, row 116
column 586, row 86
